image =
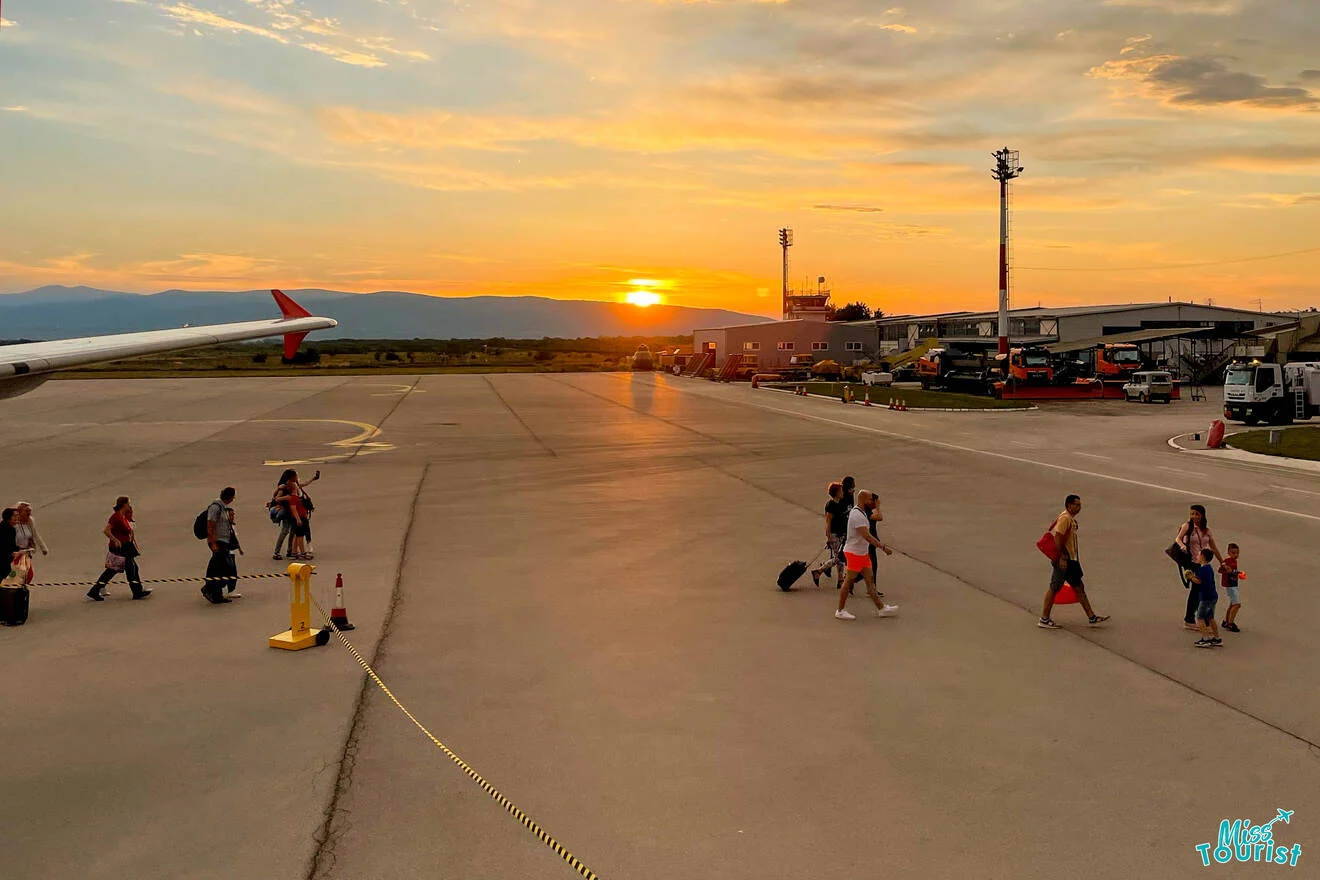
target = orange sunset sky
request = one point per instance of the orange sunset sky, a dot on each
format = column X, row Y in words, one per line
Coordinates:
column 589, row 148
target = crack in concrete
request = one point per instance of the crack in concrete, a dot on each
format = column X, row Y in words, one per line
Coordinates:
column 514, row 413
column 335, row 822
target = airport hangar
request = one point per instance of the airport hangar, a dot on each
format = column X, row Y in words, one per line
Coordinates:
column 1182, row 335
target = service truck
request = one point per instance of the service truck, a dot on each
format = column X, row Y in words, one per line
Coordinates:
column 1273, row 393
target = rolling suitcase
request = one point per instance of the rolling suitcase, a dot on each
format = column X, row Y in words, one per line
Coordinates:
column 796, row 569
column 14, row 605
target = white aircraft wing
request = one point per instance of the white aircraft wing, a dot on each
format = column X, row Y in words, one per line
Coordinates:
column 25, row 366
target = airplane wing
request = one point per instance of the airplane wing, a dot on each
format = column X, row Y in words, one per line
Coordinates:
column 25, row 366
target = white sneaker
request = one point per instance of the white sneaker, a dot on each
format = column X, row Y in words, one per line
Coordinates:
column 844, row 615
column 236, row 595
column 887, row 611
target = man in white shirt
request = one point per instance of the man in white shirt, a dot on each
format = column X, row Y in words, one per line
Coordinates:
column 856, row 550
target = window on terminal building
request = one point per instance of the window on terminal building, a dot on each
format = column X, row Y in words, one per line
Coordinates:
column 785, row 346
column 751, row 346
column 852, row 346
column 820, row 346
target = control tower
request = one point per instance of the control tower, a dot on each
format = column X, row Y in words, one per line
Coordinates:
column 802, row 304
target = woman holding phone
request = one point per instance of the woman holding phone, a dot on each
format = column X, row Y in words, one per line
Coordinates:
column 288, row 487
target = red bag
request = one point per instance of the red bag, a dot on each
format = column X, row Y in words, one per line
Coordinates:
column 1066, row 595
column 1047, row 546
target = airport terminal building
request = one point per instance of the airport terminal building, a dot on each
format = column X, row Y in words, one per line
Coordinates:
column 1166, row 332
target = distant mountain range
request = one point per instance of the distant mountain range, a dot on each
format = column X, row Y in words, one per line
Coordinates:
column 58, row 312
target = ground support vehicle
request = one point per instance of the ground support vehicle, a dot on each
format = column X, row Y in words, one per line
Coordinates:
column 1151, row 386
column 1276, row 394
column 1112, row 362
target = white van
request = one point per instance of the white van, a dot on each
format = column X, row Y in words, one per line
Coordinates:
column 1148, row 387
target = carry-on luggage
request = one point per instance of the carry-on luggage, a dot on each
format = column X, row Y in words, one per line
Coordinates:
column 796, row 569
column 14, row 605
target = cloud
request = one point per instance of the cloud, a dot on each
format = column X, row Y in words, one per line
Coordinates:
column 1310, row 75
column 183, row 12
column 16, row 108
column 638, row 130
column 288, row 22
column 1202, row 81
column 859, row 209
column 346, row 56
column 1183, row 7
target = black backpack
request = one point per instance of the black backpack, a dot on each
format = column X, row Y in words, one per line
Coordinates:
column 199, row 524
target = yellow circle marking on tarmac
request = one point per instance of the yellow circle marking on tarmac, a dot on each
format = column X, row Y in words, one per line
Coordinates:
column 398, row 389
column 362, row 443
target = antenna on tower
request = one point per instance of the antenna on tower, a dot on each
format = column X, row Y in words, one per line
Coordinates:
column 1006, row 169
column 785, row 242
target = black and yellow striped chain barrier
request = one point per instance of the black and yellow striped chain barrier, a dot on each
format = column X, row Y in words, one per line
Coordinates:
column 184, row 580
column 528, row 822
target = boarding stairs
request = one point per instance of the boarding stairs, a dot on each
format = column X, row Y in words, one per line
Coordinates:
column 698, row 362
column 729, row 371
column 1200, row 368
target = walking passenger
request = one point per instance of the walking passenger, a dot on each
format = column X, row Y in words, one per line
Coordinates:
column 859, row 562
column 27, row 536
column 222, row 570
column 836, row 532
column 300, row 528
column 121, row 554
column 1229, row 569
column 8, row 542
column 1193, row 537
column 1068, row 568
column 281, row 501
column 1203, row 585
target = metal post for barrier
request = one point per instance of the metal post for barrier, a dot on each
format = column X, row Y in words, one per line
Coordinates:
column 300, row 634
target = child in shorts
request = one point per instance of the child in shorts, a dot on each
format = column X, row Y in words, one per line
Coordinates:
column 1228, row 569
column 1204, row 579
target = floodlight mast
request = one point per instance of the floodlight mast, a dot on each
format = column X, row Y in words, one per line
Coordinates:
column 1006, row 169
column 785, row 242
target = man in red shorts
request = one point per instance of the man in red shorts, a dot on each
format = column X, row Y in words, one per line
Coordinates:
column 856, row 551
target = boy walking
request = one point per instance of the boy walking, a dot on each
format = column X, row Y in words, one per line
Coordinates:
column 1204, row 579
column 1229, row 571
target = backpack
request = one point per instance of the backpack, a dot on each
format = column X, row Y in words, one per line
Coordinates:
column 199, row 524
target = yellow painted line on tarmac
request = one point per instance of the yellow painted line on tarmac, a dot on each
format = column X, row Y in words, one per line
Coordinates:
column 362, row 443
column 398, row 389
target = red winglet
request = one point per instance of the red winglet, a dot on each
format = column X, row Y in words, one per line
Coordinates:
column 291, row 343
column 289, row 308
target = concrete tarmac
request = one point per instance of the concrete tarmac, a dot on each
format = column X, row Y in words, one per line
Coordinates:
column 570, row 579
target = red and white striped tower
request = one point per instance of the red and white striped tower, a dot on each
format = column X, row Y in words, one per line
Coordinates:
column 1006, row 169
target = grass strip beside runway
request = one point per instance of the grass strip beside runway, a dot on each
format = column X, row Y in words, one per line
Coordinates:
column 1301, row 442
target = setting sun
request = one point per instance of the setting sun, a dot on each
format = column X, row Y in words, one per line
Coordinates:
column 642, row 298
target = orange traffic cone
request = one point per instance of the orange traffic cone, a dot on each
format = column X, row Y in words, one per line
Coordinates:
column 868, row 397
column 338, row 614
column 902, row 405
column 891, row 403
